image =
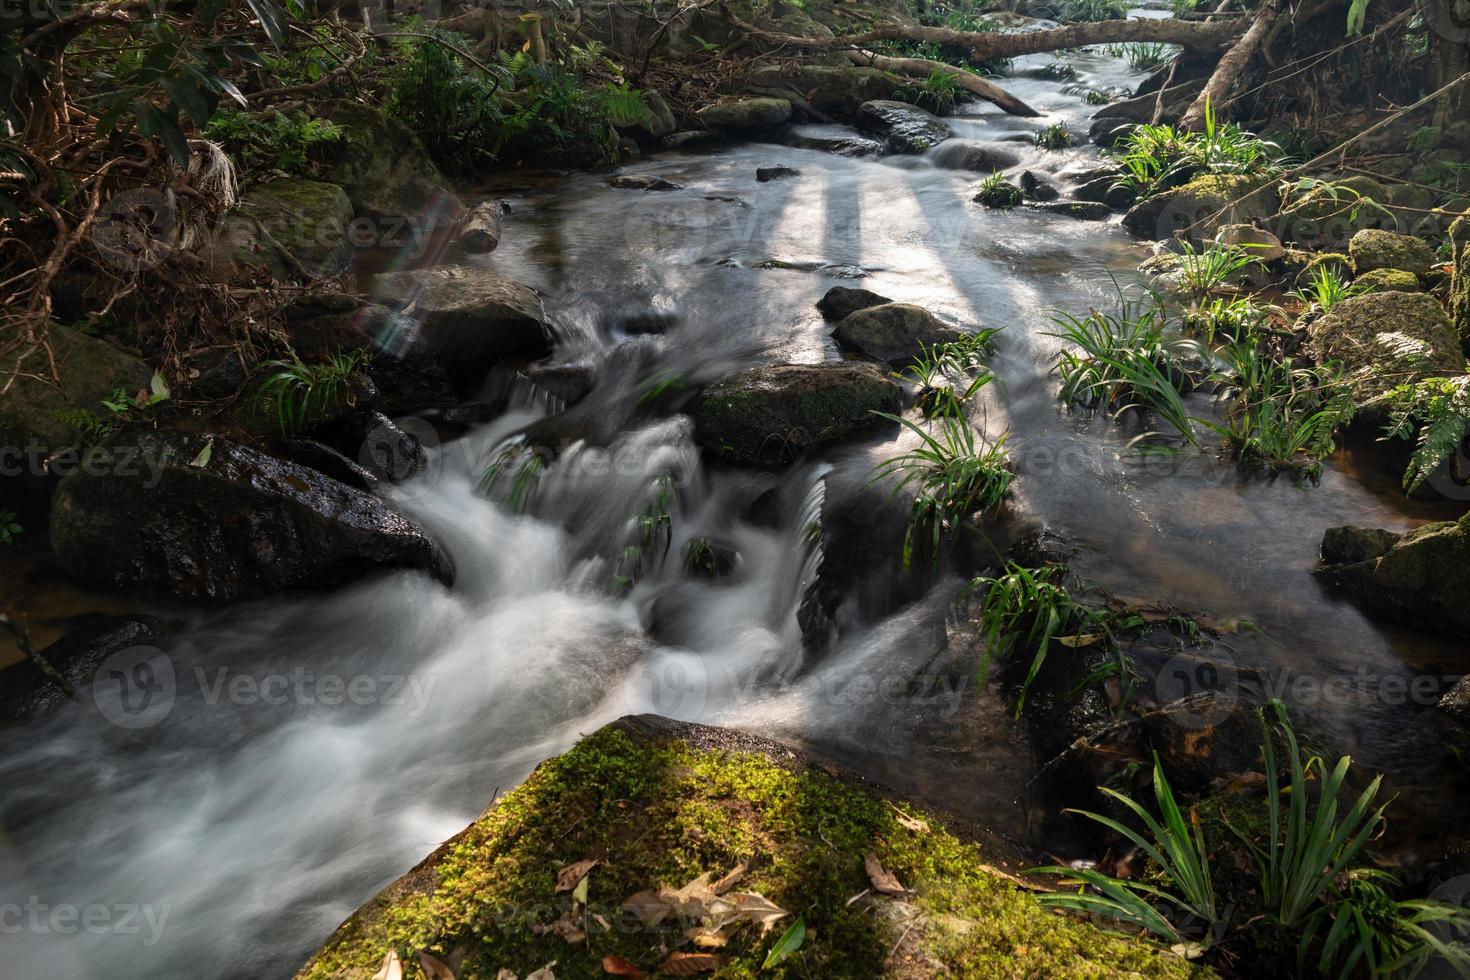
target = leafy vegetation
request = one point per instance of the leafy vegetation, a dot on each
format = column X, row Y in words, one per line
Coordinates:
column 10, row 527
column 997, row 192
column 1206, row 269
column 935, row 367
column 1235, row 318
column 1435, row 413
column 295, row 393
column 1092, row 10
column 1055, row 136
column 1154, row 158
column 289, row 142
column 1326, row 286
column 518, row 467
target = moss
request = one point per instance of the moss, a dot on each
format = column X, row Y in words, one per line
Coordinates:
column 1338, row 261
column 1201, row 207
column 658, row 810
column 1460, row 280
column 1389, row 281
column 1374, row 248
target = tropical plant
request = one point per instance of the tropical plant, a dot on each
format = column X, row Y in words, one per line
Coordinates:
column 1176, row 846
column 1234, row 318
column 293, row 390
column 1153, row 158
column 1326, row 286
column 283, row 141
column 941, row 91
column 1207, row 269
column 932, row 369
column 1145, row 57
column 1024, row 611
column 1055, row 136
column 954, row 473
column 522, row 467
column 1363, row 930
column 997, row 192
column 1435, row 413
column 699, row 557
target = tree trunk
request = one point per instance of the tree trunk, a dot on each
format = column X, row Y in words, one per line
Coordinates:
column 1216, row 93
column 967, row 80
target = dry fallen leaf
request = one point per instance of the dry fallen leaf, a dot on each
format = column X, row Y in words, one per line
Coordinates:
column 570, row 876
column 544, row 973
column 650, row 909
column 756, row 908
column 434, row 969
column 1081, row 640
column 884, row 883
column 690, row 964
column 567, row 928
column 912, row 823
column 619, row 967
column 391, row 969
column 725, row 883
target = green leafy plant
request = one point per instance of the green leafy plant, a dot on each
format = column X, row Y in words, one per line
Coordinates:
column 519, row 467
column 1234, row 318
column 1363, row 930
column 699, row 557
column 1176, row 846
column 1023, row 612
column 293, row 390
column 935, row 365
column 286, row 142
column 1207, row 269
column 954, row 473
column 1142, row 56
column 1091, row 10
column 997, row 192
column 1095, row 97
column 941, row 91
column 1154, row 158
column 1435, row 413
column 452, row 107
column 1326, row 286
column 9, row 527
column 1055, row 136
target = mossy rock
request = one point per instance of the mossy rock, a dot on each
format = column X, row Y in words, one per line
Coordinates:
column 1338, row 262
column 1421, row 576
column 1327, row 216
column 384, row 168
column 310, row 219
column 1389, row 281
column 661, row 803
column 894, row 332
column 746, row 116
column 1460, row 279
column 1374, row 248
column 905, row 128
column 37, row 413
column 1382, row 340
column 1201, row 207
column 770, row 415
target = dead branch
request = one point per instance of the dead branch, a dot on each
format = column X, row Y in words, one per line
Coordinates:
column 1231, row 67
column 967, row 80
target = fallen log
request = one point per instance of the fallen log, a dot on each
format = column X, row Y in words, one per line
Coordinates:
column 1232, row 66
column 967, row 80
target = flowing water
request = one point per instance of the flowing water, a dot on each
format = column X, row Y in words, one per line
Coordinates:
column 231, row 835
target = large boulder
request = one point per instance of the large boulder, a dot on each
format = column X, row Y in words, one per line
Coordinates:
column 746, row 116
column 659, row 123
column 1382, row 340
column 1373, row 248
column 37, row 414
column 905, row 128
column 770, row 415
column 26, row 690
column 200, row 517
column 894, row 332
column 1201, row 207
column 406, row 368
column 310, row 220
column 1421, row 576
column 974, row 155
column 384, row 168
column 473, row 316
column 840, row 302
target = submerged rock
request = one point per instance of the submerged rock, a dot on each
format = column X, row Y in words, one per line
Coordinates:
column 684, row 802
column 165, row 514
column 645, row 182
column 1373, row 248
column 843, row 146
column 973, row 155
column 766, row 174
column 746, row 116
column 905, row 128
column 1382, row 340
column 843, row 301
column 1081, row 210
column 770, row 415
column 1421, row 576
column 473, row 316
column 894, row 332
column 1037, row 187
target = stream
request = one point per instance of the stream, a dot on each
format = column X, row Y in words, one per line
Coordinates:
column 234, row 834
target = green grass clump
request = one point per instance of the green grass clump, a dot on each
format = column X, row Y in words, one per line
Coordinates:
column 294, row 394
column 997, row 192
column 658, row 811
column 1055, row 136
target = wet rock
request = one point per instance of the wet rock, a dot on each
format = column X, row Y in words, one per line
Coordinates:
column 1196, row 748
column 474, row 317
column 161, row 515
column 1202, row 206
column 1456, row 703
column 972, row 155
column 747, row 116
column 769, row 416
column 998, row 194
column 27, row 691
column 307, row 220
column 479, row 232
column 37, row 413
column 893, row 332
column 407, row 369
column 381, row 447
column 568, row 382
column 645, row 182
column 1081, row 210
column 1389, row 281
column 329, row 462
column 1259, row 244
column 692, row 139
column 765, row 174
column 1383, row 340
column 1374, row 248
column 905, row 128
column 1106, row 189
column 837, row 90
column 1117, row 118
column 1040, row 547
column 1421, row 576
column 383, row 167
column 843, row 301
column 1037, row 187
column 844, row 146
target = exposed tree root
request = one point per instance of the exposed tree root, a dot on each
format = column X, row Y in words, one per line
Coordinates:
column 967, row 80
column 1231, row 68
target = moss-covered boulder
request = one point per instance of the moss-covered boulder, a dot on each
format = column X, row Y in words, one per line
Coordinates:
column 746, row 116
column 1382, row 340
column 1460, row 279
column 1327, row 215
column 1422, row 576
column 473, row 316
column 1201, row 207
column 384, row 168
column 1374, row 248
column 310, row 220
column 894, row 332
column 646, row 804
column 40, row 414
column 1389, row 281
column 905, row 128
column 770, row 415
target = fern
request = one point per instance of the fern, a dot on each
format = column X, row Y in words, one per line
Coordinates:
column 625, row 106
column 1439, row 408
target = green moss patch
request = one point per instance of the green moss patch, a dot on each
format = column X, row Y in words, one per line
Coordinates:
column 658, row 811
